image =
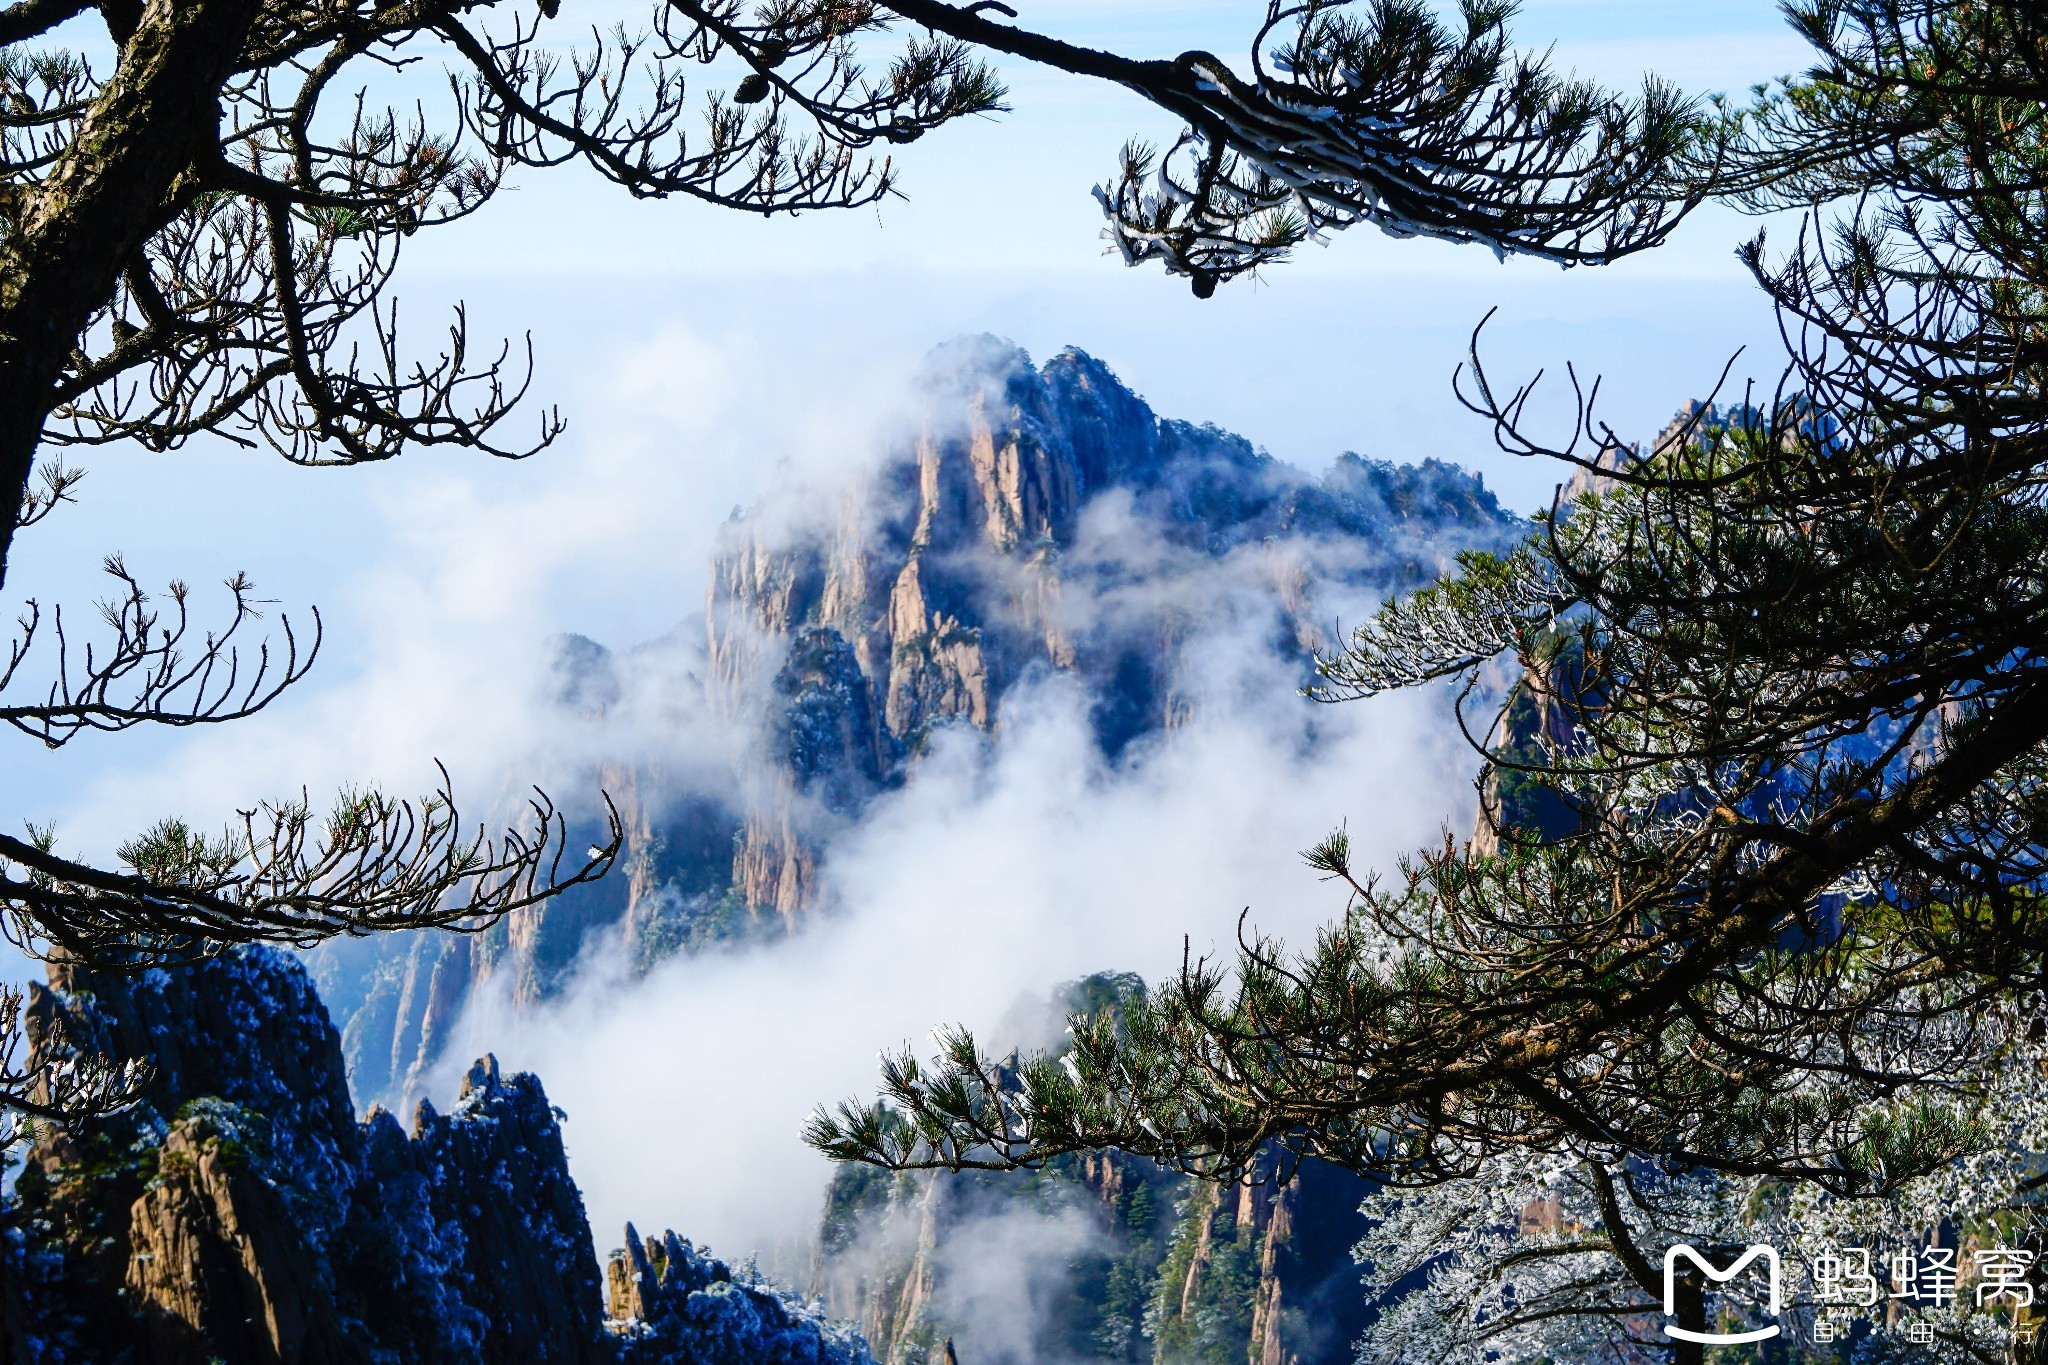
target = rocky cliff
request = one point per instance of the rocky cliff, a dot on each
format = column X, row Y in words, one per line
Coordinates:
column 1029, row 520
column 1099, row 1258
column 244, row 1214
column 1026, row 519
column 1045, row 518
column 1263, row 1272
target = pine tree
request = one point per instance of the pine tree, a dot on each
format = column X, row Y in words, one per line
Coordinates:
column 198, row 241
column 1786, row 663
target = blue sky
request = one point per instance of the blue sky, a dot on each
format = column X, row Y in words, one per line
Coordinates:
column 699, row 354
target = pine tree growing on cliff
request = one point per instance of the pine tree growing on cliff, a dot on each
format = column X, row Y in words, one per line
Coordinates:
column 197, row 241
column 1792, row 666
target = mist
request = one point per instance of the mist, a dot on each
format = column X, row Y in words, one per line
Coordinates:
column 1006, row 864
column 451, row 583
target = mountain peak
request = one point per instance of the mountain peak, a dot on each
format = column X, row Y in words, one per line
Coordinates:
column 971, row 362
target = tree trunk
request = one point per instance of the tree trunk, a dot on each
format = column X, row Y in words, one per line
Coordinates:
column 155, row 119
column 1691, row 1304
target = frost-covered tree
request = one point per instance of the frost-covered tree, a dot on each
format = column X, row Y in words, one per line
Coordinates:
column 1784, row 693
column 202, row 206
column 1558, row 1255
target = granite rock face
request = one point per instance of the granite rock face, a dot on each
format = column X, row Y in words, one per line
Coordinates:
column 969, row 556
column 242, row 1214
column 218, row 1264
column 1035, row 519
column 1287, row 1281
column 1023, row 520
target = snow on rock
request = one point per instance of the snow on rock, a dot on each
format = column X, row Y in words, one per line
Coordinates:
column 242, row 1214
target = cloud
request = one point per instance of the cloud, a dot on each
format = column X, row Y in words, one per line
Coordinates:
column 997, row 1267
column 1006, row 864
column 996, row 1275
column 456, row 576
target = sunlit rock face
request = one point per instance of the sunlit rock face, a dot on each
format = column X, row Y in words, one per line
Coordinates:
column 242, row 1213
column 1046, row 518
column 1032, row 519
column 1022, row 520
